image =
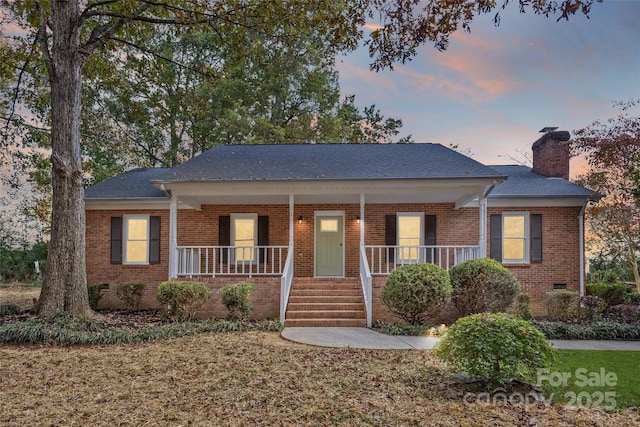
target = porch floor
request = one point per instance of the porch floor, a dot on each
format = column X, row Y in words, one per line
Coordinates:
column 326, row 302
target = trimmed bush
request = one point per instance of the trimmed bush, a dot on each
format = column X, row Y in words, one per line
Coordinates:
column 183, row 299
column 521, row 307
column 624, row 313
column 561, row 304
column 588, row 308
column 238, row 298
column 130, row 294
column 95, row 293
column 496, row 347
column 417, row 292
column 483, row 285
column 613, row 293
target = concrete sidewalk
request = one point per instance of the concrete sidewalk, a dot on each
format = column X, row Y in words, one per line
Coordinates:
column 370, row 339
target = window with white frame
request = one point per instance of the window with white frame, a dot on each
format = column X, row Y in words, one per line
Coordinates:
column 136, row 239
column 515, row 237
column 244, row 232
column 410, row 235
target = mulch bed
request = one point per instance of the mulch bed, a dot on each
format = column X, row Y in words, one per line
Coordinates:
column 110, row 319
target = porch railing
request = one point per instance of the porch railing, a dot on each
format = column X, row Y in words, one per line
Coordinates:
column 285, row 285
column 383, row 259
column 366, row 280
column 195, row 261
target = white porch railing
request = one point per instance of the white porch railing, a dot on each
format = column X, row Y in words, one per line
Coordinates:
column 195, row 261
column 365, row 279
column 285, row 285
column 383, row 259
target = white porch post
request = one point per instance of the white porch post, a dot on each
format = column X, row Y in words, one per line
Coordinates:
column 483, row 226
column 361, row 220
column 173, row 237
column 291, row 224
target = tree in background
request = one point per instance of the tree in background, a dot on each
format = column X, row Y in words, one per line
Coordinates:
column 612, row 149
column 56, row 39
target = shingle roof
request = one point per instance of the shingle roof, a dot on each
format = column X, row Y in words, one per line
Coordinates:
column 133, row 184
column 327, row 162
column 522, row 182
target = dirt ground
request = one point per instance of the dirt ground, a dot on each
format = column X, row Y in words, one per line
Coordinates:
column 19, row 294
column 251, row 378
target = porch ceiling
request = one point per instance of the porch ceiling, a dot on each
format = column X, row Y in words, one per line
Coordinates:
column 418, row 191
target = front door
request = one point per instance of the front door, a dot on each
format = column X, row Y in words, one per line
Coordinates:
column 329, row 244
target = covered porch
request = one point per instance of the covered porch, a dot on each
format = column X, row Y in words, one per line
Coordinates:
column 297, row 215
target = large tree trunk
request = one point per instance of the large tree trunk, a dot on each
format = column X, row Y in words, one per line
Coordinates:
column 65, row 282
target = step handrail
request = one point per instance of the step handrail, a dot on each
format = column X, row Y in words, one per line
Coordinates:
column 366, row 281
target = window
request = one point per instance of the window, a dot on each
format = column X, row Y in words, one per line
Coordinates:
column 136, row 239
column 515, row 227
column 516, row 237
column 244, row 230
column 410, row 236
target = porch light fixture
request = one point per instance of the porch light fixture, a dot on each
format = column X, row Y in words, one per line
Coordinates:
column 300, row 219
column 358, row 219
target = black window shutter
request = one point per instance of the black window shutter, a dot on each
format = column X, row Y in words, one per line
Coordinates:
column 154, row 240
column 496, row 237
column 536, row 237
column 263, row 237
column 429, row 235
column 224, row 235
column 116, row 240
column 390, row 235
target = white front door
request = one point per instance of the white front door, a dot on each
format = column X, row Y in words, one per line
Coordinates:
column 329, row 251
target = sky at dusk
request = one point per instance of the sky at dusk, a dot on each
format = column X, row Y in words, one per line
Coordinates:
column 492, row 90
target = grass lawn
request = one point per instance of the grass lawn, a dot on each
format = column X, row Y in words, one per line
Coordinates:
column 19, row 294
column 607, row 379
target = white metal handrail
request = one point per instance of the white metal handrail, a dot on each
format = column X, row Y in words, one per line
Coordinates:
column 366, row 280
column 194, row 261
column 383, row 259
column 285, row 285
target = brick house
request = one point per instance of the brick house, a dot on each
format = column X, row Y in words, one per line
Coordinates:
column 318, row 227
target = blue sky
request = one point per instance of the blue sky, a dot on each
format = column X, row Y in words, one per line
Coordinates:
column 492, row 90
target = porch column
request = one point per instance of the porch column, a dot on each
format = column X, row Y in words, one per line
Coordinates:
column 483, row 226
column 361, row 220
column 173, row 237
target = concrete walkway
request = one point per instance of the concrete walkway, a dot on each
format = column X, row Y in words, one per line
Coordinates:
column 370, row 339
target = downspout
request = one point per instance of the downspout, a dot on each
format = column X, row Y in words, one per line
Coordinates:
column 581, row 243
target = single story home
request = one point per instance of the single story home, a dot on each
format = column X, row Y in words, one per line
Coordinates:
column 318, row 227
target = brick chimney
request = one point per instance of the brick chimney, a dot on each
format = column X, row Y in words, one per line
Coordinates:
column 551, row 154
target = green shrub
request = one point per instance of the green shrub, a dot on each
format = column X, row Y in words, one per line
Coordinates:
column 521, row 307
column 238, row 298
column 496, row 347
column 403, row 328
column 561, row 304
column 603, row 330
column 130, row 294
column 612, row 293
column 624, row 313
column 183, row 298
column 65, row 329
column 483, row 285
column 417, row 292
column 95, row 293
column 588, row 308
column 9, row 309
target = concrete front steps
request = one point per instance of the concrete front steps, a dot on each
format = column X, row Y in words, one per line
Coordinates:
column 326, row 302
